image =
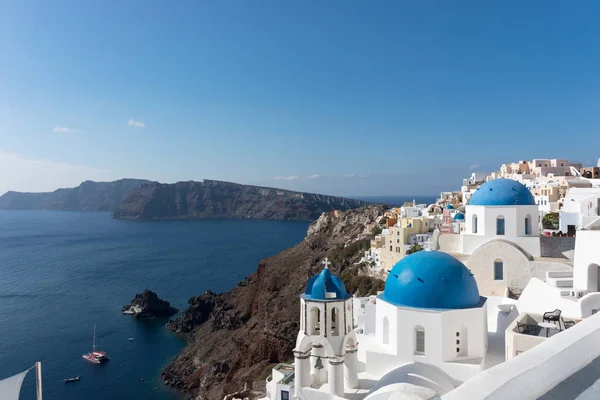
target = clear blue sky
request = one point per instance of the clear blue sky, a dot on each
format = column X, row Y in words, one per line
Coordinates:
column 381, row 98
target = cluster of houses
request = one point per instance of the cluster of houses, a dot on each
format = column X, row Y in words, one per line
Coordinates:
column 490, row 308
column 557, row 186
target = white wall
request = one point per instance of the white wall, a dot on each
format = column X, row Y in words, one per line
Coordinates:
column 440, row 339
column 519, row 342
column 471, row 325
column 566, row 219
column 514, row 220
column 538, row 298
column 450, row 243
column 538, row 370
column 518, row 268
column 587, row 260
column 514, row 227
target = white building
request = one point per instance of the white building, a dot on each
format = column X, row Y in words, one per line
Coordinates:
column 430, row 335
column 373, row 257
column 430, row 313
column 470, row 185
column 502, row 209
column 580, row 207
column 414, row 211
column 326, row 338
column 426, row 333
column 424, row 239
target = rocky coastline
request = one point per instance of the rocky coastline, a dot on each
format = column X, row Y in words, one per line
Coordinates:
column 89, row 196
column 217, row 199
column 235, row 338
column 149, row 305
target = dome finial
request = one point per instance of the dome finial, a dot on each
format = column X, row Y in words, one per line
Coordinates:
column 326, row 262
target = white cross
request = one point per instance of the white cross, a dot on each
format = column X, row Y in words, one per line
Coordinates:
column 326, row 262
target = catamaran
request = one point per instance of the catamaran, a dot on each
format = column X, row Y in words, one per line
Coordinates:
column 96, row 357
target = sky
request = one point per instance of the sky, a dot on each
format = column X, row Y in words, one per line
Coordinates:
column 338, row 97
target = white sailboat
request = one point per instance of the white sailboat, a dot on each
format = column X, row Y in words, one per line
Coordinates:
column 96, row 357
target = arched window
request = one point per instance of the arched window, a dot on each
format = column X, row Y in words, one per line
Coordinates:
column 500, row 225
column 528, row 225
column 498, row 270
column 314, row 323
column 474, row 227
column 386, row 330
column 419, row 340
column 335, row 324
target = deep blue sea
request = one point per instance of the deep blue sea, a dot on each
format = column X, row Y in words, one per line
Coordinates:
column 63, row 272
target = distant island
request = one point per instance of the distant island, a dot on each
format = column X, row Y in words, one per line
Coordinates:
column 142, row 199
column 89, row 196
column 218, row 199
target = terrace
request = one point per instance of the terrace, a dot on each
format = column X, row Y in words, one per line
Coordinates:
column 529, row 330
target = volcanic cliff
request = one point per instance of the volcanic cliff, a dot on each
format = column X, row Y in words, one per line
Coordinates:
column 89, row 196
column 217, row 199
column 236, row 337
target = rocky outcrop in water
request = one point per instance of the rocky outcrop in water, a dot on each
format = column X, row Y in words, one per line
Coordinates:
column 148, row 305
column 217, row 199
column 89, row 196
column 235, row 338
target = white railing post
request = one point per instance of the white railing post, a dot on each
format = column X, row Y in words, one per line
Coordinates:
column 38, row 380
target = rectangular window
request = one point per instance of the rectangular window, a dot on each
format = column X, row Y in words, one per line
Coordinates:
column 498, row 270
column 500, row 226
column 390, row 248
column 420, row 339
column 285, row 395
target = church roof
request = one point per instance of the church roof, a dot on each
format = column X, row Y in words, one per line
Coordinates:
column 459, row 216
column 449, row 207
column 432, row 280
column 325, row 286
column 502, row 192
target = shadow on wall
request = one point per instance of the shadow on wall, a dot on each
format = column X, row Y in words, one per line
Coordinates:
column 423, row 375
column 557, row 246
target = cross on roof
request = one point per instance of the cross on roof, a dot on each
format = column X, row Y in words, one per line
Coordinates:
column 326, row 262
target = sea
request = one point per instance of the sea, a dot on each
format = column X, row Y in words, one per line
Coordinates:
column 61, row 273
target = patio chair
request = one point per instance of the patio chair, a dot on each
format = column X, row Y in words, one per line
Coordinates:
column 552, row 316
column 568, row 323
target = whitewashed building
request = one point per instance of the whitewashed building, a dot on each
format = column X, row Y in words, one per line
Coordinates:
column 580, row 207
column 502, row 209
column 430, row 335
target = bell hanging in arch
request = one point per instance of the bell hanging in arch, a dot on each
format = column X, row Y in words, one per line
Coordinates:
column 319, row 364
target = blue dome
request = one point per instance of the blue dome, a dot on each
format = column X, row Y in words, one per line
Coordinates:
column 502, row 192
column 449, row 207
column 431, row 279
column 325, row 286
column 459, row 217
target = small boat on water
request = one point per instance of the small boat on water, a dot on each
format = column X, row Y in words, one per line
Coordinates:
column 74, row 379
column 95, row 357
column 130, row 339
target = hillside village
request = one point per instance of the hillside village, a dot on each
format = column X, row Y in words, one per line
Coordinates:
column 491, row 293
column 567, row 198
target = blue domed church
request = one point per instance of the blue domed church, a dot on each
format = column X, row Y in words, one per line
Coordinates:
column 502, row 209
column 430, row 335
column 430, row 312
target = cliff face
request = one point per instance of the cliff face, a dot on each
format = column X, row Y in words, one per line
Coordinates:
column 236, row 337
column 89, row 196
column 216, row 199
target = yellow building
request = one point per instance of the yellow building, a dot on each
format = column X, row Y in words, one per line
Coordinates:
column 552, row 192
column 396, row 241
